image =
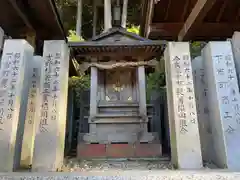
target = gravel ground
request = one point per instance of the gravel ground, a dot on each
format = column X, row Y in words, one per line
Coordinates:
column 74, row 165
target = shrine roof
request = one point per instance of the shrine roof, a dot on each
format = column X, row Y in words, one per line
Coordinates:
column 117, row 42
column 39, row 16
column 190, row 19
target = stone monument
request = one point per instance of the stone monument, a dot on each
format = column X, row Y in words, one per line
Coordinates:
column 200, row 87
column 17, row 55
column 223, row 100
column 184, row 132
column 50, row 134
column 32, row 115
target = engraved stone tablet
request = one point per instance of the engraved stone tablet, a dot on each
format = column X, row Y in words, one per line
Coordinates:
column 184, row 133
column 32, row 116
column 200, row 87
column 13, row 92
column 224, row 105
column 50, row 136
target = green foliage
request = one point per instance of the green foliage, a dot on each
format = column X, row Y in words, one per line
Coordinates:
column 72, row 36
column 79, row 84
column 134, row 29
column 196, row 48
column 155, row 82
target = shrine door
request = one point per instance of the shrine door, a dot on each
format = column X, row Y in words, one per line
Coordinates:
column 120, row 85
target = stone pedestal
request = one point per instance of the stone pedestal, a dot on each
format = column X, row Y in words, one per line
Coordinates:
column 32, row 114
column 50, row 136
column 17, row 56
column 223, row 100
column 200, row 87
column 184, row 132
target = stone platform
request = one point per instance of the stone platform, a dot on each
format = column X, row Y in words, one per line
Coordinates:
column 123, row 175
column 118, row 150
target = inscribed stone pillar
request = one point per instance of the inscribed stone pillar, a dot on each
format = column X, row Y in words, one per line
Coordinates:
column 184, row 133
column 142, row 91
column 32, row 113
column 17, row 56
column 50, row 134
column 236, row 53
column 224, row 105
column 200, row 87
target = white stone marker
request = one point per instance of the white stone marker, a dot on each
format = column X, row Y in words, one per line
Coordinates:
column 50, row 136
column 224, row 104
column 200, row 87
column 236, row 53
column 17, row 55
column 184, row 133
column 33, row 113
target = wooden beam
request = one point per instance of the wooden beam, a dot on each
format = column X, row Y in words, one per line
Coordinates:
column 150, row 10
column 168, row 8
column 221, row 10
column 205, row 31
column 198, row 13
column 107, row 15
column 21, row 14
column 185, row 10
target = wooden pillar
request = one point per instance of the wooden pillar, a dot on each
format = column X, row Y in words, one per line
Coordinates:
column 142, row 91
column 107, row 15
column 94, row 17
column 124, row 13
column 79, row 18
column 93, row 92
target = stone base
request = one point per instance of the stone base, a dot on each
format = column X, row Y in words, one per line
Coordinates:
column 118, row 150
column 107, row 138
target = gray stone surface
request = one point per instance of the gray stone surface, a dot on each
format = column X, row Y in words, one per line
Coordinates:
column 223, row 100
column 200, row 87
column 50, row 134
column 129, row 174
column 32, row 114
column 236, row 52
column 184, row 132
column 17, row 56
column 1, row 37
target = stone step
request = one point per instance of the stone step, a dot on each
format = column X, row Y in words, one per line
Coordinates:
column 118, row 150
column 117, row 104
column 118, row 137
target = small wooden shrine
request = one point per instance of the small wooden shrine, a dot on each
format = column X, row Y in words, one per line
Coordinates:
column 118, row 111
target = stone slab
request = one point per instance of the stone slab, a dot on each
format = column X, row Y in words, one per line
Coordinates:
column 200, row 87
column 50, row 134
column 148, row 150
column 17, row 56
column 120, row 150
column 106, row 138
column 223, row 97
column 184, row 132
column 32, row 113
column 91, row 151
column 124, row 175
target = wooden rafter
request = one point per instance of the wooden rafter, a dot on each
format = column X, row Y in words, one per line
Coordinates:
column 185, row 10
column 221, row 11
column 195, row 18
column 206, row 30
column 167, row 10
column 147, row 14
column 21, row 14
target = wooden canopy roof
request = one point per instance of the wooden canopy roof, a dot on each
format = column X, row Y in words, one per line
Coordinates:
column 117, row 43
column 190, row 19
column 38, row 16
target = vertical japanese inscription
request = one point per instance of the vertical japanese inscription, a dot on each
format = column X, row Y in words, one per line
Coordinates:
column 50, row 90
column 186, row 111
column 9, row 77
column 228, row 91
